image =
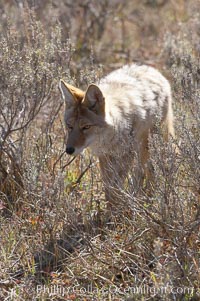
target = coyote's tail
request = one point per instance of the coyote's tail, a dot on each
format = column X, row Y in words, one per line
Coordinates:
column 168, row 123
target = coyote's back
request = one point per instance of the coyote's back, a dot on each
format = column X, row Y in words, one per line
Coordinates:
column 136, row 98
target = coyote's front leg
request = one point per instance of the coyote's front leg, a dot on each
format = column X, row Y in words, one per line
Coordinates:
column 113, row 172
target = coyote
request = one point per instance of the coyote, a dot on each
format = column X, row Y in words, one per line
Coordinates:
column 114, row 119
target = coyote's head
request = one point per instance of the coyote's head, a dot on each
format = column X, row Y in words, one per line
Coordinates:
column 84, row 115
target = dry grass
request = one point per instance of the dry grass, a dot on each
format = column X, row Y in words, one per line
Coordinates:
column 56, row 242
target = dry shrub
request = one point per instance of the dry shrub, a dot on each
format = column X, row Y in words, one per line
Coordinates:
column 31, row 64
column 58, row 228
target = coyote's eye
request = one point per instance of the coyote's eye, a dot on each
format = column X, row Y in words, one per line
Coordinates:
column 70, row 127
column 86, row 127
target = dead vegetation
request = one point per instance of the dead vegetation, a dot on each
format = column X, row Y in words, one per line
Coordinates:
column 56, row 243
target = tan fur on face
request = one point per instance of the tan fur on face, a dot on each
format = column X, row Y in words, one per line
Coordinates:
column 77, row 117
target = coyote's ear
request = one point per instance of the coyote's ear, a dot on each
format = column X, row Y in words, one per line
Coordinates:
column 70, row 93
column 94, row 99
column 66, row 94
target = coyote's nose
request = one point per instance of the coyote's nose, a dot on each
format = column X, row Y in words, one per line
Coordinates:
column 70, row 150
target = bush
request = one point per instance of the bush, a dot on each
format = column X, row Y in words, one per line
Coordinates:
column 54, row 229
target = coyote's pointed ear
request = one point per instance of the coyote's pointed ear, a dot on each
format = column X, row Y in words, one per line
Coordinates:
column 66, row 94
column 70, row 93
column 94, row 100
